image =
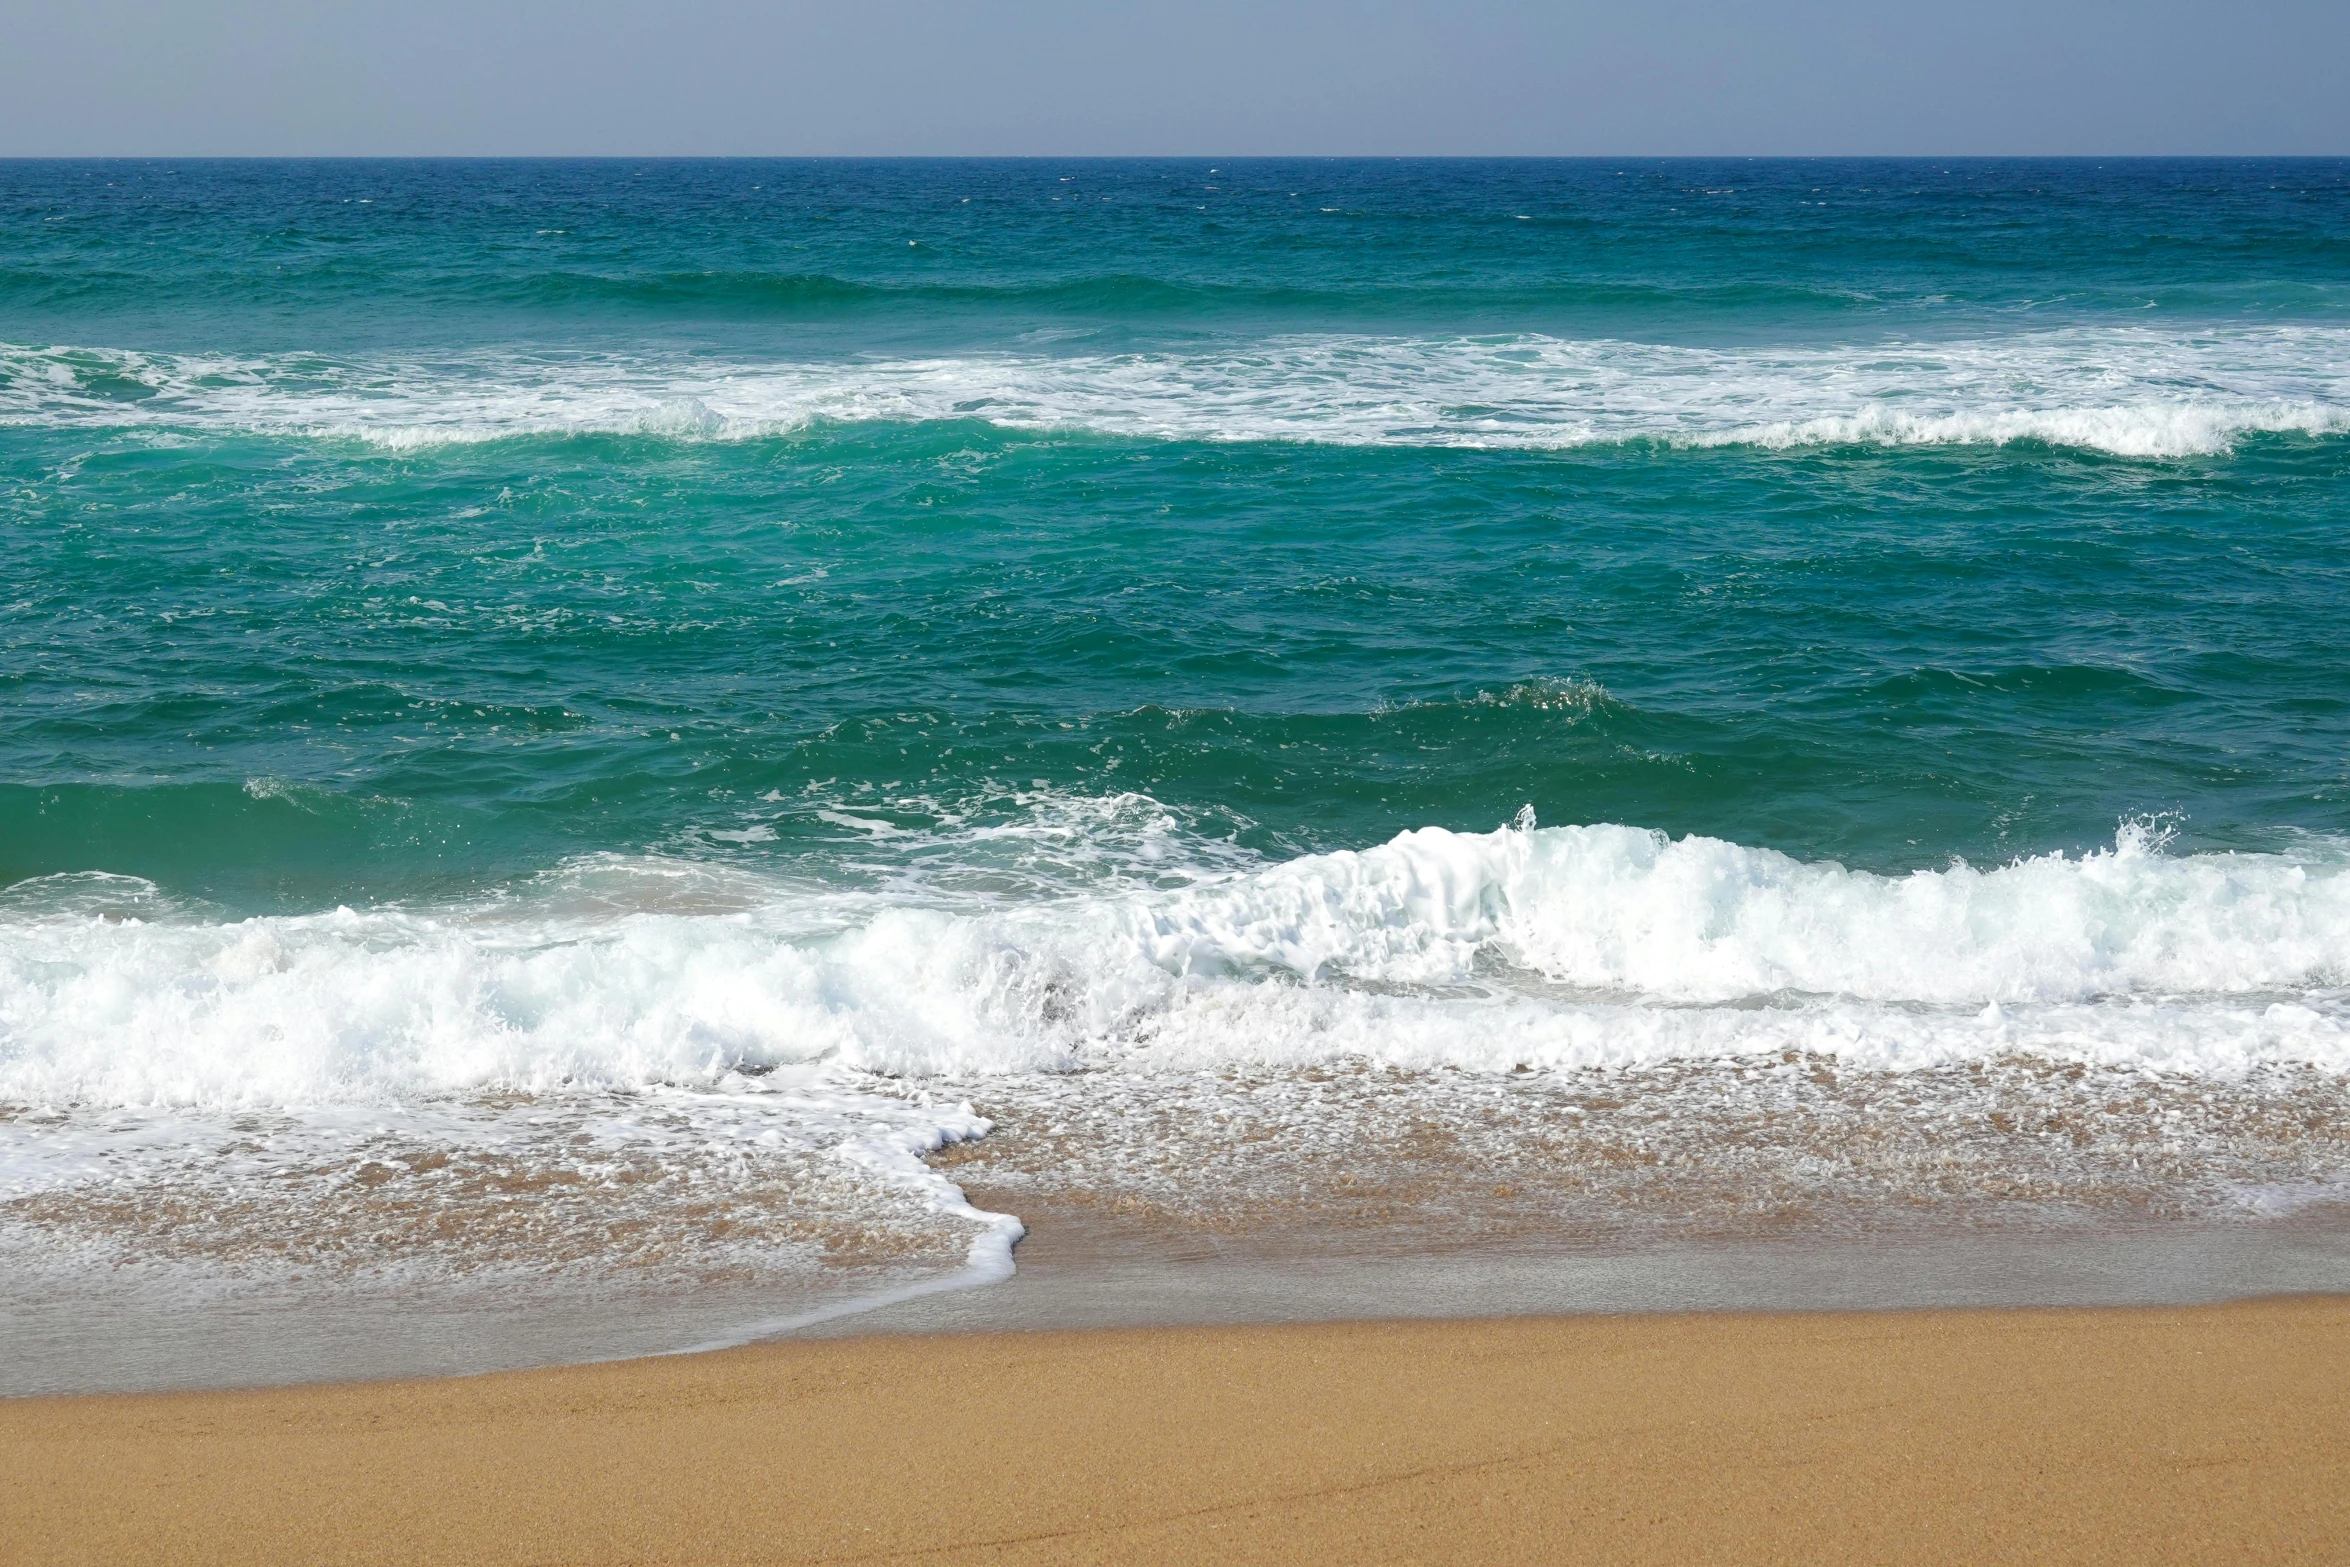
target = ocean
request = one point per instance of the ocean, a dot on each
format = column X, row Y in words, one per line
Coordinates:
column 602, row 756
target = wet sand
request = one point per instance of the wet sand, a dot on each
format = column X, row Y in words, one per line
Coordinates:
column 2200, row 1434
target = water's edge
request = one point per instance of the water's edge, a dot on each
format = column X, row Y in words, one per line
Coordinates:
column 1083, row 1277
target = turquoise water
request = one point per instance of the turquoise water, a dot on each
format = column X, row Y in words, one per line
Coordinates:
column 381, row 530
column 472, row 628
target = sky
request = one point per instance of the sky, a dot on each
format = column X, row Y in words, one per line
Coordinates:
column 186, row 78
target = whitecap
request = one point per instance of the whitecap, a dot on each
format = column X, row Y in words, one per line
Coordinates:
column 2130, row 391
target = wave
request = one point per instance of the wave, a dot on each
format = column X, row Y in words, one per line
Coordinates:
column 1559, row 948
column 2129, row 392
column 740, row 294
column 691, row 294
column 758, row 294
column 705, row 1078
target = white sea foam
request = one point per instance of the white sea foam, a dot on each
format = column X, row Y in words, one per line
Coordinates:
column 690, row 1072
column 2137, row 392
column 1579, row 945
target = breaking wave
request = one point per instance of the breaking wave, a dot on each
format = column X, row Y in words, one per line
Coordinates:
column 2127, row 391
column 1562, row 947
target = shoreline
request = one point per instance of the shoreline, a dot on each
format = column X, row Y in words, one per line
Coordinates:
column 1081, row 1269
column 2210, row 1433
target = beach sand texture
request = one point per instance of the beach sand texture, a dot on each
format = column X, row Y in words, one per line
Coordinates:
column 2209, row 1434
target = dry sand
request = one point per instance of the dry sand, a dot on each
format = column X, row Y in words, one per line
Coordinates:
column 2209, row 1434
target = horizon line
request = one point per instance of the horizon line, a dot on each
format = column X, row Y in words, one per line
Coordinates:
column 1170, row 157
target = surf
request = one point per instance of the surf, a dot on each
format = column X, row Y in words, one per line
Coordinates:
column 2123, row 391
column 1556, row 947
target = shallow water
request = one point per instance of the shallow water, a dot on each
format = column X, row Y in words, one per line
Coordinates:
column 586, row 741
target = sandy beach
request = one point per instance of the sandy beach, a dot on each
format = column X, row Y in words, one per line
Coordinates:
column 2208, row 1434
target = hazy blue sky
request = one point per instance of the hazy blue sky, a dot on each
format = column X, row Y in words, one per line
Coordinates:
column 186, row 77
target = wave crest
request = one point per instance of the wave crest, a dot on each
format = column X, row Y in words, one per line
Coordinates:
column 2126, row 391
column 1561, row 947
